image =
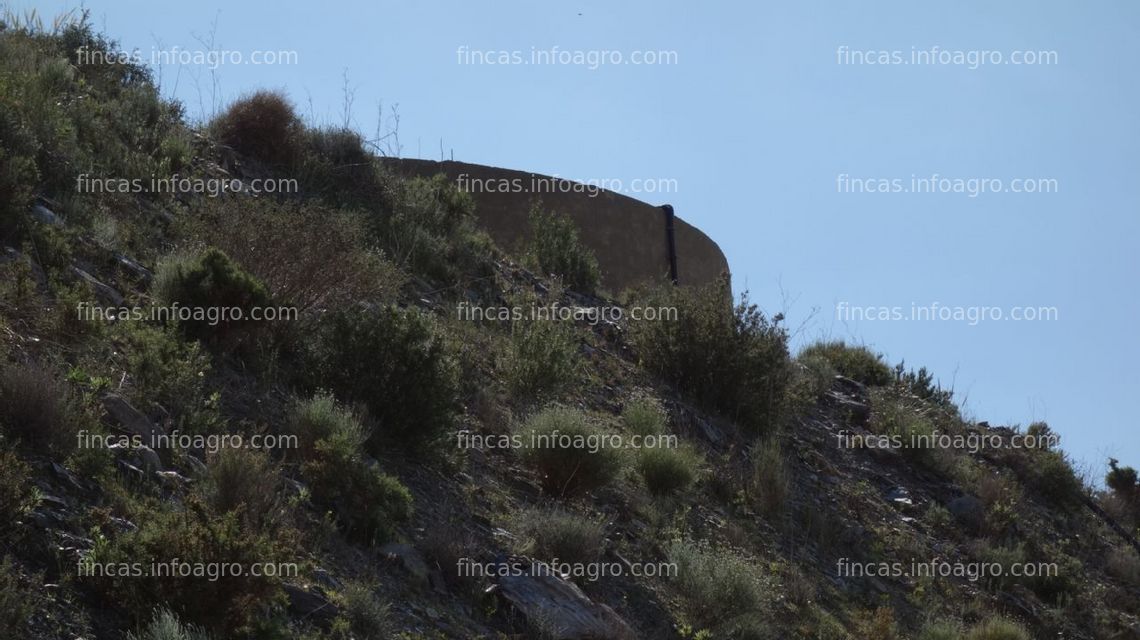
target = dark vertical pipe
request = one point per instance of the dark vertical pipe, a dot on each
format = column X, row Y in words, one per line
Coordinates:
column 670, row 241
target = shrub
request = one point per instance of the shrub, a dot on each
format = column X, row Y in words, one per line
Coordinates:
column 207, row 283
column 245, row 482
column 167, row 370
column 732, row 360
column 856, row 362
column 17, row 494
column 199, row 538
column 366, row 503
column 667, row 469
column 1051, row 475
column 1122, row 480
column 811, row 379
column 429, row 227
column 1124, row 564
column 18, row 172
column 166, row 626
column 37, row 409
column 556, row 250
column 547, row 534
column 921, row 383
column 878, row 624
column 997, row 629
column 771, row 478
column 16, row 602
column 262, row 125
column 323, row 418
column 336, row 166
column 362, row 614
column 397, row 364
column 570, row 453
column 644, row 416
column 718, row 585
column 941, row 630
column 308, row 256
column 543, row 357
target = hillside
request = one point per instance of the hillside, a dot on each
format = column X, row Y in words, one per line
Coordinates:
column 255, row 385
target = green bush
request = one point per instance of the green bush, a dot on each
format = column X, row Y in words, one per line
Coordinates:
column 396, row 363
column 428, row 226
column 18, row 172
column 770, row 479
column 921, row 383
column 16, row 602
column 1051, row 475
column 309, row 256
column 570, row 453
column 366, row 503
column 336, row 166
column 262, row 125
column 856, row 362
column 733, row 361
column 194, row 537
column 556, row 250
column 166, row 626
column 667, row 469
column 941, row 630
column 998, row 629
column 644, row 416
column 323, row 418
column 811, row 379
column 245, row 482
column 17, row 494
column 208, row 283
column 167, row 371
column 718, row 585
column 543, row 357
column 1122, row 480
column 547, row 534
column 362, row 616
column 38, row 410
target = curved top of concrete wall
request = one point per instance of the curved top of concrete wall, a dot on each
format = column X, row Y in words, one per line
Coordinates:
column 627, row 235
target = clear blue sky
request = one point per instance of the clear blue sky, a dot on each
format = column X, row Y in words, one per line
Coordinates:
column 755, row 122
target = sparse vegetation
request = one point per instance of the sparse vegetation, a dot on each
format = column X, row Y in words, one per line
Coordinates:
column 543, row 357
column 570, row 453
column 667, row 470
column 997, row 629
column 394, row 362
column 770, row 478
column 856, row 362
column 209, row 283
column 732, row 360
column 166, row 626
column 37, row 409
column 719, row 586
column 556, row 250
column 547, row 534
column 262, row 125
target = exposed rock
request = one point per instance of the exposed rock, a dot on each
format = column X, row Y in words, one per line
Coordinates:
column 558, row 605
column 106, row 294
column 150, row 462
column 410, row 560
column 46, row 216
column 900, row 497
column 968, row 510
column 130, row 419
column 306, row 603
column 134, row 268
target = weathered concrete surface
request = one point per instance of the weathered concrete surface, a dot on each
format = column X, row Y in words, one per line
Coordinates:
column 627, row 235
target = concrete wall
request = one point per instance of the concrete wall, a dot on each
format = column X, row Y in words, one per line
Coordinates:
column 627, row 235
